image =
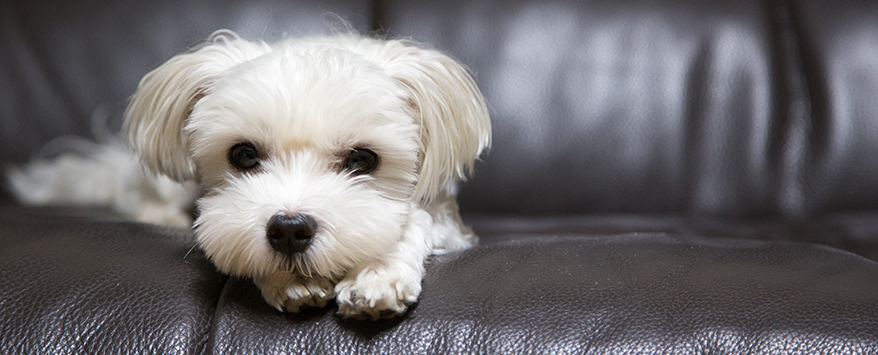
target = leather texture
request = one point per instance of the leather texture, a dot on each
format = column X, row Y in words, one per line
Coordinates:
column 667, row 177
column 701, row 107
column 85, row 282
column 705, row 107
column 574, row 294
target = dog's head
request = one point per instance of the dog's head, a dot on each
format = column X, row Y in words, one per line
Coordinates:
column 314, row 150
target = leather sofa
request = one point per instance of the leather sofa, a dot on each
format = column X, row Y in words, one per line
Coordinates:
column 667, row 177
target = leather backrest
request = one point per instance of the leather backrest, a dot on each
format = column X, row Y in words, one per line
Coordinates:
column 839, row 124
column 712, row 107
column 679, row 106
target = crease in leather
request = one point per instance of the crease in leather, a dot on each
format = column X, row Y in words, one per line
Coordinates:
column 207, row 346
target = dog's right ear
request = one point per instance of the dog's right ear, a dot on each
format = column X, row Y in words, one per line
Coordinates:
column 165, row 97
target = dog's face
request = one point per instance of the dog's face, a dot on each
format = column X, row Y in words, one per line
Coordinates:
column 314, row 151
column 282, row 138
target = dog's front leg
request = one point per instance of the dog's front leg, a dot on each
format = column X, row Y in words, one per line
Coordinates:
column 385, row 287
column 289, row 291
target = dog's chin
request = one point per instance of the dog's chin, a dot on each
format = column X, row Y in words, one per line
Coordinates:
column 355, row 224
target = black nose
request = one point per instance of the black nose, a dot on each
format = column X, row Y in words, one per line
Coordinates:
column 290, row 234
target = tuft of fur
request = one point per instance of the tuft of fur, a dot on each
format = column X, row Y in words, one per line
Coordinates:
column 103, row 175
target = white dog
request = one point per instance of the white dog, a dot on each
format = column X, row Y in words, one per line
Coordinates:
column 330, row 163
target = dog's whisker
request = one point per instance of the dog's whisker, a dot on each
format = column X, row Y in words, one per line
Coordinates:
column 190, row 251
column 303, row 267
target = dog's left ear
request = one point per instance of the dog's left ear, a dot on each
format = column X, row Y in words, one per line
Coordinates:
column 454, row 123
column 166, row 96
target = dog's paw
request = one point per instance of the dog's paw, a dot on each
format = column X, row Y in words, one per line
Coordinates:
column 291, row 296
column 377, row 293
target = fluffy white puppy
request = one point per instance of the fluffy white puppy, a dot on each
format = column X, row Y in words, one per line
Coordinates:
column 330, row 163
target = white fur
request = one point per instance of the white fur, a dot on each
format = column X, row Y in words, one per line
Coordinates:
column 103, row 175
column 304, row 104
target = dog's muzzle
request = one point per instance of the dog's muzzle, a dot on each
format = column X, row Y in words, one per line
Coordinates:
column 290, row 234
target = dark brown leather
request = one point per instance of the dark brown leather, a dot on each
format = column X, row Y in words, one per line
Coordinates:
column 622, row 294
column 706, row 107
column 77, row 281
column 674, row 177
column 739, row 108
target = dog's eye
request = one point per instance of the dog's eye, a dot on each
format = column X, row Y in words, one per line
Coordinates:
column 361, row 161
column 243, row 156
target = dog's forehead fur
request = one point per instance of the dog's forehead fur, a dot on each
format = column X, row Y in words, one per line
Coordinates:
column 302, row 93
